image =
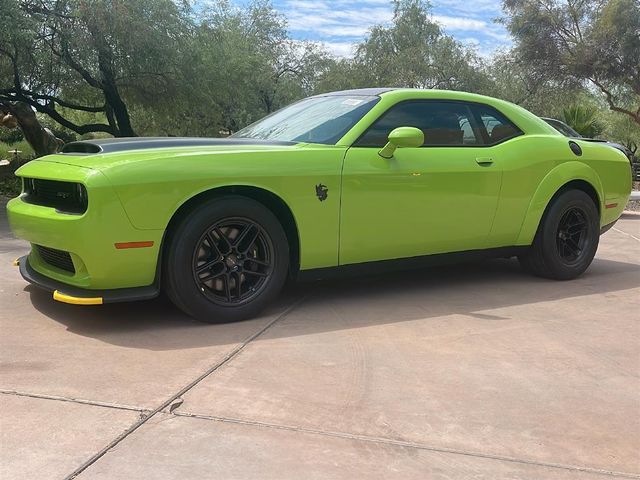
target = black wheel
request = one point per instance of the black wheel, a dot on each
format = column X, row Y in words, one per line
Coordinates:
column 226, row 260
column 567, row 238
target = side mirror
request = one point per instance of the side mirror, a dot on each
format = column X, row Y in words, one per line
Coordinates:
column 402, row 137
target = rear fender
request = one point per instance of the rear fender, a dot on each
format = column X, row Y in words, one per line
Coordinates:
column 550, row 185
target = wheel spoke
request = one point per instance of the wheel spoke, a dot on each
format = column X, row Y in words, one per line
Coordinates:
column 227, row 287
column 211, row 276
column 213, row 245
column 257, row 261
column 247, row 238
column 574, row 246
column 224, row 239
column 576, row 227
column 207, row 266
column 257, row 274
column 563, row 248
column 238, row 276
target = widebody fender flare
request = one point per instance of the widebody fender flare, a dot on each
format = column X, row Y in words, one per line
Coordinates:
column 555, row 180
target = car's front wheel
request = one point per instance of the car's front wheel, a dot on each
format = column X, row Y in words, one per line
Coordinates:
column 226, row 260
column 567, row 238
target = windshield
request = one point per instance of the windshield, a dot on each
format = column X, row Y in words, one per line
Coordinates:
column 562, row 127
column 314, row 120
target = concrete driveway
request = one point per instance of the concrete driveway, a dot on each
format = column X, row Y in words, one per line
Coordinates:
column 467, row 372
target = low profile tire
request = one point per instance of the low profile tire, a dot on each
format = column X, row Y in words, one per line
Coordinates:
column 567, row 238
column 226, row 260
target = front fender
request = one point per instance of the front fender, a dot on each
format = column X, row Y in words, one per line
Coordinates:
column 551, row 183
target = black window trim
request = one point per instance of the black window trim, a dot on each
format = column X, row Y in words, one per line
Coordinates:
column 473, row 107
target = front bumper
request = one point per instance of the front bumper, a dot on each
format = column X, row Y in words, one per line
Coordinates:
column 89, row 239
column 81, row 296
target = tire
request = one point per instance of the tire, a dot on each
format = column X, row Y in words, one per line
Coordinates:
column 225, row 260
column 567, row 238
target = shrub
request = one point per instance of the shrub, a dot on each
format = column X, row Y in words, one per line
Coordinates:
column 584, row 120
column 10, row 135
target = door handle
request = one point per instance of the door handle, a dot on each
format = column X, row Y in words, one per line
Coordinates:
column 484, row 161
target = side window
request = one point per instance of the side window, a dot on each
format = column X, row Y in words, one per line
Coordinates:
column 443, row 124
column 497, row 126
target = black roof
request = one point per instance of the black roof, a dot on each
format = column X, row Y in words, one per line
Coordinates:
column 358, row 91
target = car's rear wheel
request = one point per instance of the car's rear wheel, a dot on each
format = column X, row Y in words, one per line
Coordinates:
column 567, row 238
column 226, row 260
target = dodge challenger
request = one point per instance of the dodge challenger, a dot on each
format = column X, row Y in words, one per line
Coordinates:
column 347, row 181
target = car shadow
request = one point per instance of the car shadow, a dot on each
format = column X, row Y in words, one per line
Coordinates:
column 468, row 289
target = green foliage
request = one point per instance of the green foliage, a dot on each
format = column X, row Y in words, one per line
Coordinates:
column 92, row 56
column 26, row 152
column 10, row 186
column 414, row 52
column 621, row 129
column 10, row 135
column 163, row 67
column 584, row 120
column 582, row 41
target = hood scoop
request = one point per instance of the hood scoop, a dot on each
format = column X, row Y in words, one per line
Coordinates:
column 109, row 145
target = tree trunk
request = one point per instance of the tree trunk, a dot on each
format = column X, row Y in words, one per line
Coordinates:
column 117, row 109
column 120, row 112
column 41, row 139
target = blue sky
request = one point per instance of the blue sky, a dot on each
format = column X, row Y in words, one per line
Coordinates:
column 338, row 24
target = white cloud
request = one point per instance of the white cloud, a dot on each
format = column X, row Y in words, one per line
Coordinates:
column 335, row 19
column 339, row 24
column 469, row 7
column 482, row 27
column 340, row 49
column 459, row 23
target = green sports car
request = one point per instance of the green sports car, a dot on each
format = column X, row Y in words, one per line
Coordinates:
column 345, row 181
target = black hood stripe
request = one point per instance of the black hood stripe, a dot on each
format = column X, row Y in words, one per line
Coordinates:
column 109, row 145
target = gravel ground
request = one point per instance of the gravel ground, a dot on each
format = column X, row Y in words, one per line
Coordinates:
column 634, row 206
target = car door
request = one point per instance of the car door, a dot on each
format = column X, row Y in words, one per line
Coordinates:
column 438, row 198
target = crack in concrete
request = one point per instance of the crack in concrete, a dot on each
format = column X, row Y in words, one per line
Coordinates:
column 81, row 401
column 406, row 444
column 145, row 418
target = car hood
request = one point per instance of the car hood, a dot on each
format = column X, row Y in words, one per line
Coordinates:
column 104, row 153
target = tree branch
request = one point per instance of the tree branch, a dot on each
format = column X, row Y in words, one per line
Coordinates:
column 51, row 98
column 611, row 101
column 51, row 112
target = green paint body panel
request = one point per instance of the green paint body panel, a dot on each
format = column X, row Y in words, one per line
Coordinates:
column 422, row 201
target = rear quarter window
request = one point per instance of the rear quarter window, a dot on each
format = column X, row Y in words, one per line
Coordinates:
column 497, row 127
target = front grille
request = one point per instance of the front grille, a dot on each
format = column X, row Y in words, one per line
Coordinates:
column 56, row 258
column 67, row 197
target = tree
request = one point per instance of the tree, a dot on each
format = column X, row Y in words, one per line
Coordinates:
column 342, row 74
column 414, row 52
column 622, row 129
column 19, row 114
column 594, row 41
column 91, row 56
column 510, row 78
column 246, row 66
